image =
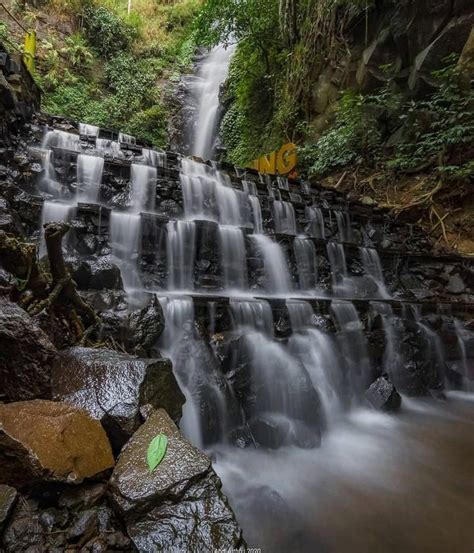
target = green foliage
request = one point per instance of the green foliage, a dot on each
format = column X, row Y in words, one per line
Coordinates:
column 109, row 72
column 77, row 52
column 438, row 128
column 249, row 97
column 107, row 32
column 353, row 137
column 435, row 130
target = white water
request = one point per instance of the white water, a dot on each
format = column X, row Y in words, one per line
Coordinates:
column 89, row 177
column 316, row 219
column 306, row 263
column 181, row 254
column 143, row 187
column 125, row 235
column 277, row 276
column 212, row 73
column 233, row 257
column 284, row 217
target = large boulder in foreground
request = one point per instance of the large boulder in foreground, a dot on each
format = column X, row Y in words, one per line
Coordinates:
column 112, row 387
column 177, row 507
column 26, row 355
column 48, row 441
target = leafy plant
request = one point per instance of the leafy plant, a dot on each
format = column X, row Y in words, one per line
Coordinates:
column 354, row 136
column 438, row 128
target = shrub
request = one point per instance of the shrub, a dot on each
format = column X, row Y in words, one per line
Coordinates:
column 354, row 136
column 107, row 32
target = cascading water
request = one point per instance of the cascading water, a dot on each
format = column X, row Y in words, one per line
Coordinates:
column 181, row 254
column 233, row 257
column 143, row 187
column 212, row 73
column 89, row 177
column 284, row 217
column 354, row 345
column 259, row 362
column 125, row 243
column 305, row 254
column 373, row 269
column 315, row 218
column 277, row 276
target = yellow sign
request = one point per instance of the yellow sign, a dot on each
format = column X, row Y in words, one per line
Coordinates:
column 30, row 51
column 277, row 163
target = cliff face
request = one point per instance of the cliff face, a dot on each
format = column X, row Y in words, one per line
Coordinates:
column 400, row 41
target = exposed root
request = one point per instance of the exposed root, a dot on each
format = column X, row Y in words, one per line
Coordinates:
column 57, row 294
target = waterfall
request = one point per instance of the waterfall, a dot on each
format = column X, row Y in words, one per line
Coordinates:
column 108, row 147
column 152, row 157
column 316, row 221
column 233, row 257
column 143, row 187
column 277, row 276
column 208, row 397
column 301, row 313
column 305, row 255
column 253, row 314
column 284, row 217
column 257, row 214
column 125, row 234
column 88, row 130
column 354, row 344
column 60, row 139
column 181, row 254
column 264, row 359
column 337, row 259
column 89, row 177
column 343, row 226
column 373, row 268
column 212, row 73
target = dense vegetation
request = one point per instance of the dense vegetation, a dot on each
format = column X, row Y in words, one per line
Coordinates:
column 104, row 67
column 283, row 47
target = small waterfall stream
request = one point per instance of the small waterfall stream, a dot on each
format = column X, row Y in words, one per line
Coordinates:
column 212, row 73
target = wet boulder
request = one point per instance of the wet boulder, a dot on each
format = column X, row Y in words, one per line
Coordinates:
column 26, row 356
column 97, row 273
column 48, row 441
column 112, row 386
column 144, row 328
column 383, row 395
column 71, row 518
column 177, row 507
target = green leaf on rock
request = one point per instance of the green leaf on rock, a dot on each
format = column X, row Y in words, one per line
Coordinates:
column 156, row 451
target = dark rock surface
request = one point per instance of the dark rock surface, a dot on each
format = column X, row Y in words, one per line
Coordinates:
column 144, row 328
column 180, row 505
column 50, row 441
column 8, row 497
column 65, row 519
column 383, row 395
column 112, row 387
column 26, row 356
